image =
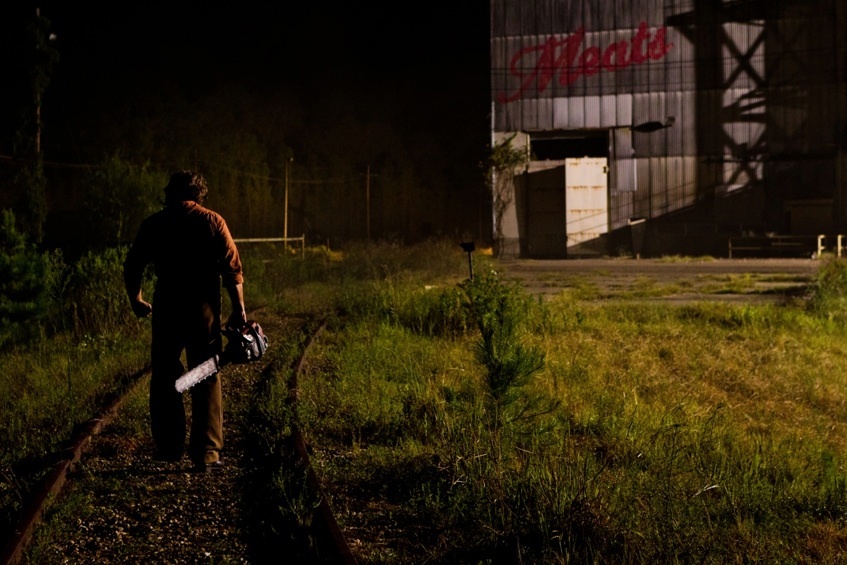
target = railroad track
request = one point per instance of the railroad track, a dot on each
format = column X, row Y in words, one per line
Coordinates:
column 165, row 512
column 326, row 517
column 56, row 479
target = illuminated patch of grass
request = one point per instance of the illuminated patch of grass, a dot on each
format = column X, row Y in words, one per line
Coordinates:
column 582, row 288
column 707, row 432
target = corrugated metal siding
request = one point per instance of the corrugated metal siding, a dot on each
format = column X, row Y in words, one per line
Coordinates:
column 753, row 87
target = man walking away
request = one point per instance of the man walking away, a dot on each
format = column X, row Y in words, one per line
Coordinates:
column 193, row 255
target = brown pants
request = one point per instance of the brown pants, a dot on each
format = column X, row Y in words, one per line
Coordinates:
column 196, row 330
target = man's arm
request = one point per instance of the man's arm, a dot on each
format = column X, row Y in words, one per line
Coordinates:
column 140, row 307
column 133, row 273
column 236, row 297
column 231, row 275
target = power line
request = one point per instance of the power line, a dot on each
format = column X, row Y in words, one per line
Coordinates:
column 9, row 159
column 54, row 164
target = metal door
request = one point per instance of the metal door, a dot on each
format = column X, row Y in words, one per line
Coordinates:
column 586, row 202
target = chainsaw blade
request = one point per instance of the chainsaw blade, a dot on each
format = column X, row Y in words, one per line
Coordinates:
column 202, row 371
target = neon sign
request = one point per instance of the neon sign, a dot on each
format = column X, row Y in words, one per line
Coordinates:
column 565, row 59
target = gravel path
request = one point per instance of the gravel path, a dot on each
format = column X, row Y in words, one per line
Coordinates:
column 121, row 506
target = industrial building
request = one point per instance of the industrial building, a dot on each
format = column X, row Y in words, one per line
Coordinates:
column 656, row 127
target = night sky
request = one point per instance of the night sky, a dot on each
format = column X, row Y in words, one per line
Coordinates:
column 434, row 55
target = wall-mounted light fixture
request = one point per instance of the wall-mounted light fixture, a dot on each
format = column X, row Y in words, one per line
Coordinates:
column 650, row 127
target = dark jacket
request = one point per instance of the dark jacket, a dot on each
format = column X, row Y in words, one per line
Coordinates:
column 192, row 253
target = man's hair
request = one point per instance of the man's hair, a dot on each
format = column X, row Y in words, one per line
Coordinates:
column 186, row 185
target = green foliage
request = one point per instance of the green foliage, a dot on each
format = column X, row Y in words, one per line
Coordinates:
column 431, row 260
column 412, row 286
column 96, row 293
column 30, row 183
column 706, row 433
column 41, row 295
column 437, row 311
column 49, row 387
column 829, row 294
column 504, row 158
column 694, row 433
column 277, row 492
column 30, row 283
column 503, row 163
column 433, row 312
column 57, row 379
column 499, row 310
column 119, row 196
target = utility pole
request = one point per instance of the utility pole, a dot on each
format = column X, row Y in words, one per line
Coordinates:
column 29, row 179
column 37, row 101
column 368, row 203
column 42, row 48
column 285, row 211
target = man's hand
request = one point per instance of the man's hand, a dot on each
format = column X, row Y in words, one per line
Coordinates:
column 140, row 307
column 237, row 319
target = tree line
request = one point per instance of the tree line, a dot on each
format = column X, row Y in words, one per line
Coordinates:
column 82, row 175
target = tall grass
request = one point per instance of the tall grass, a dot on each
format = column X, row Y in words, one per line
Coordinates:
column 68, row 338
column 709, row 433
column 77, row 350
column 348, row 279
column 277, row 494
column 829, row 296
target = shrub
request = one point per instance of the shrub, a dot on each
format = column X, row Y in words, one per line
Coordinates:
column 98, row 301
column 31, row 283
column 433, row 312
column 829, row 290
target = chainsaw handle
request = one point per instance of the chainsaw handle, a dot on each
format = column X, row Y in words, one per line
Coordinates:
column 245, row 344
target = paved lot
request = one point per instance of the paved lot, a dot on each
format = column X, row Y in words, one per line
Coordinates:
column 750, row 280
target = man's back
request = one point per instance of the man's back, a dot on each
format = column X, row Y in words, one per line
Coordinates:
column 190, row 248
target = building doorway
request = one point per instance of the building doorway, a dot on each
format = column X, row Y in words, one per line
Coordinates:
column 566, row 204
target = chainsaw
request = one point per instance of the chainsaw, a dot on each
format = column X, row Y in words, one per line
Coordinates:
column 244, row 345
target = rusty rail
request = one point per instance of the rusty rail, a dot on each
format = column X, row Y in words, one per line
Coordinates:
column 55, row 481
column 325, row 513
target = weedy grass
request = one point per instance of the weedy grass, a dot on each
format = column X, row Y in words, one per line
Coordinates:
column 707, row 432
column 62, row 363
column 346, row 280
column 463, row 421
column 278, row 498
column 84, row 341
column 48, row 391
column 80, row 503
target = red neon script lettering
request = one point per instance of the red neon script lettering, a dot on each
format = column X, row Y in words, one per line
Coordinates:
column 566, row 60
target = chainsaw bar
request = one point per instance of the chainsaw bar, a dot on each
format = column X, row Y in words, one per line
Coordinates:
column 245, row 344
column 202, row 371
